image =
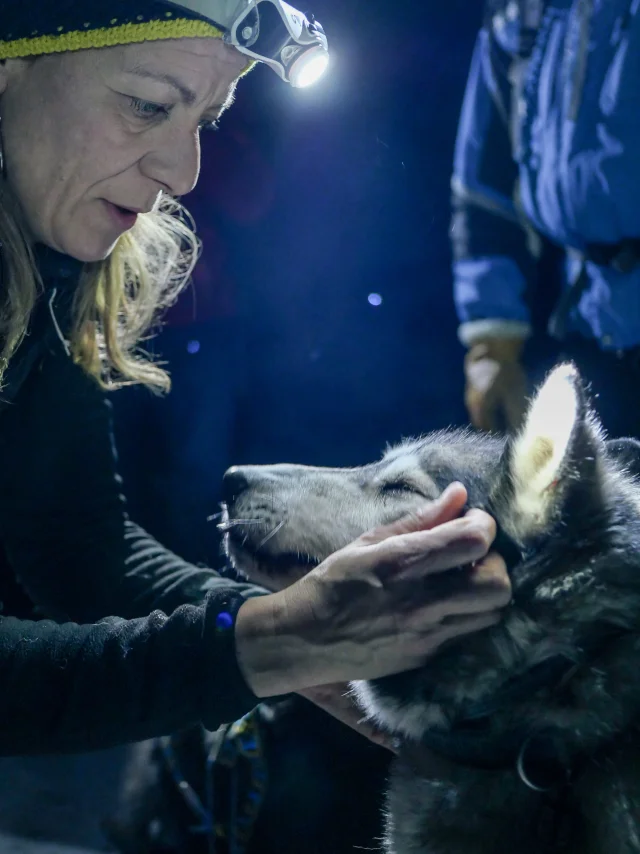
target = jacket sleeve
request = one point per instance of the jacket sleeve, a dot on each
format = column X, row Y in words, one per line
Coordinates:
column 68, row 687
column 65, row 527
column 493, row 265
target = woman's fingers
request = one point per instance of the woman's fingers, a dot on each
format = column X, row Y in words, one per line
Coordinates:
column 419, row 553
column 443, row 509
column 479, row 590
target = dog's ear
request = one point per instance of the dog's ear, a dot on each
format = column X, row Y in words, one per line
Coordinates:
column 626, row 452
column 558, row 448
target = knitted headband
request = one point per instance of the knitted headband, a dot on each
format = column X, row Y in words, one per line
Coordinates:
column 49, row 26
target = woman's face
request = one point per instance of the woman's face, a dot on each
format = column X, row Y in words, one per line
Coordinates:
column 89, row 130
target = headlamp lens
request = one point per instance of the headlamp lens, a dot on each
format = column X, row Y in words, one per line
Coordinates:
column 309, row 67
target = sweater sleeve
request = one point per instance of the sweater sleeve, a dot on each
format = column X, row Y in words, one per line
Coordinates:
column 106, row 671
column 494, row 269
column 69, row 687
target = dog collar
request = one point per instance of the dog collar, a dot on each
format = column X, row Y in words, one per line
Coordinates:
column 538, row 757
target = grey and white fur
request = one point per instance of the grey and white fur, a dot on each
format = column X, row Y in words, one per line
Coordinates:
column 567, row 505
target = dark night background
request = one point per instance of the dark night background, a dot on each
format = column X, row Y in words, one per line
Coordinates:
column 309, row 202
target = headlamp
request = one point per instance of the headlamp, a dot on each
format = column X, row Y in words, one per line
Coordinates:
column 269, row 31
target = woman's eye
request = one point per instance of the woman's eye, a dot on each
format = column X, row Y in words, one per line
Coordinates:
column 147, row 109
column 150, row 110
column 396, row 487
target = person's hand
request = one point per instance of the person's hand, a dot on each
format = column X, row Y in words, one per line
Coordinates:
column 496, row 384
column 381, row 605
column 339, row 702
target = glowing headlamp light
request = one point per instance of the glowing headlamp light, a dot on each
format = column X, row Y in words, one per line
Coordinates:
column 269, row 31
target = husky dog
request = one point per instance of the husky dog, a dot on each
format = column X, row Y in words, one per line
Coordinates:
column 521, row 738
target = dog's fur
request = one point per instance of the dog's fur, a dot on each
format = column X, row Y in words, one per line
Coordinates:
column 567, row 504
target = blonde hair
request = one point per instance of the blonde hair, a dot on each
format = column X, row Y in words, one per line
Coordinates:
column 118, row 300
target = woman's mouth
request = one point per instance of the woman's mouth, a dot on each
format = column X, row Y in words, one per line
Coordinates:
column 124, row 217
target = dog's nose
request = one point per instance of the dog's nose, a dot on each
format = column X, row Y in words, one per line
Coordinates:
column 234, row 483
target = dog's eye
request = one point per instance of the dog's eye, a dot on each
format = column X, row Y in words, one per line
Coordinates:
column 397, row 487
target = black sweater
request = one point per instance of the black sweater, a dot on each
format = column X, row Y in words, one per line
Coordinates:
column 83, row 678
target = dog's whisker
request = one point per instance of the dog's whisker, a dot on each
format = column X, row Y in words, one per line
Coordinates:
column 232, row 523
column 215, row 516
column 271, row 534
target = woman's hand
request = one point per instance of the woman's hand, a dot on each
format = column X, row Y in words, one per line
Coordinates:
column 381, row 605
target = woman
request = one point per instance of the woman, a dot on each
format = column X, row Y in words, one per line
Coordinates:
column 97, row 143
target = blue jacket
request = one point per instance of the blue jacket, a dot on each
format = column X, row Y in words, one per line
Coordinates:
column 563, row 163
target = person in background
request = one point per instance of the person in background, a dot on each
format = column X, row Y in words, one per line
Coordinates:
column 547, row 158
